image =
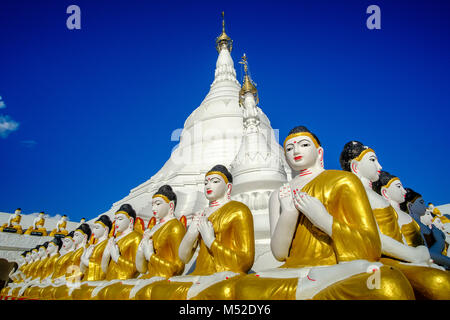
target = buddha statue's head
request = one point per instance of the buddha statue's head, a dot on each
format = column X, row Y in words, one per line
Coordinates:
column 18, row 211
column 22, row 258
column 35, row 253
column 102, row 226
column 124, row 218
column 41, row 214
column 164, row 202
column 64, row 218
column 302, row 149
column 43, row 250
column 414, row 203
column 430, row 206
column 83, row 220
column 67, row 242
column 82, row 234
column 361, row 160
column 390, row 187
column 28, row 256
column 57, row 242
column 437, row 222
column 54, row 246
column 218, row 183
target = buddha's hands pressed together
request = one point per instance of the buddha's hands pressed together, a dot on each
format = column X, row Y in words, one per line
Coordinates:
column 86, row 255
column 206, row 230
column 285, row 198
column 194, row 226
column 113, row 250
column 312, row 208
column 148, row 249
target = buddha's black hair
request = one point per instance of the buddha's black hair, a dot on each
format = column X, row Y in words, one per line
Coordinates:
column 352, row 150
column 84, row 227
column 167, row 191
column 45, row 244
column 106, row 220
column 58, row 242
column 224, row 170
column 384, row 179
column 128, row 209
column 304, row 129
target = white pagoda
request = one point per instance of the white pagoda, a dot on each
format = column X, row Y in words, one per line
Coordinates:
column 227, row 128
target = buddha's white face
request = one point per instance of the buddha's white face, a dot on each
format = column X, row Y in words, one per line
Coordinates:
column 431, row 206
column 17, row 212
column 67, row 243
column 21, row 260
column 301, row 153
column 122, row 222
column 99, row 230
column 438, row 224
column 78, row 237
column 42, row 252
column 216, row 187
column 160, row 207
column 34, row 254
column 52, row 248
column 64, row 218
column 41, row 215
column 418, row 206
column 395, row 192
column 427, row 218
column 28, row 257
column 368, row 167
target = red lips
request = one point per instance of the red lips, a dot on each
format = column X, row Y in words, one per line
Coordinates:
column 208, row 191
column 298, row 158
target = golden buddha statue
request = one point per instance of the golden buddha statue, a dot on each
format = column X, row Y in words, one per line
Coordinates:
column 91, row 260
column 73, row 274
column 157, row 255
column 224, row 232
column 13, row 224
column 61, row 266
column 47, row 268
column 323, row 228
column 119, row 256
column 37, row 228
column 61, row 228
column 402, row 247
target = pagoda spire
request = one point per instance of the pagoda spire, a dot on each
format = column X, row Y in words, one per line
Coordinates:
column 224, row 40
column 247, row 85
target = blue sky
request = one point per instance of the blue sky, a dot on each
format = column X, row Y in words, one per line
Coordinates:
column 91, row 111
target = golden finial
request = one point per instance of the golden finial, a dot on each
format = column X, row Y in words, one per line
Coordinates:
column 223, row 21
column 224, row 38
column 247, row 85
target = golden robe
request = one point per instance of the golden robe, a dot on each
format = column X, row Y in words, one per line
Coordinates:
column 354, row 237
column 94, row 272
column 427, row 282
column 125, row 267
column 47, row 269
column 411, row 232
column 165, row 262
column 61, row 266
column 73, row 274
column 232, row 250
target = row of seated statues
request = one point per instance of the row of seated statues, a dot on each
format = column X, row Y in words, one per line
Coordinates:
column 354, row 233
column 37, row 228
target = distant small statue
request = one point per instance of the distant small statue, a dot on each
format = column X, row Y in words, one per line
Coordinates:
column 13, row 224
